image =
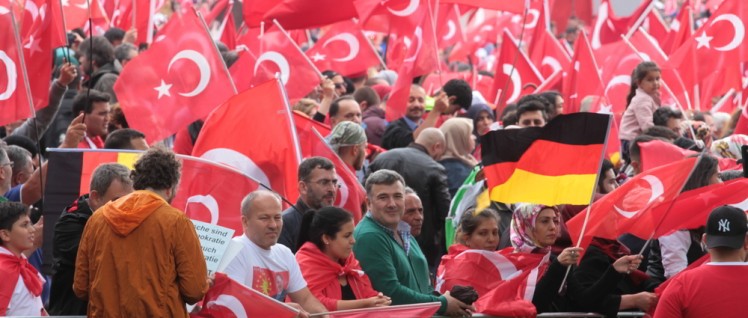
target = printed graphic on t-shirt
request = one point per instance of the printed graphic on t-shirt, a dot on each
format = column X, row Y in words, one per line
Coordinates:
column 273, row 284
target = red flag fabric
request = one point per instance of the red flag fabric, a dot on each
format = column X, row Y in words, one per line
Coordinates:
column 268, row 150
column 399, row 17
column 345, row 49
column 657, row 153
column 121, row 17
column 508, row 6
column 401, row 311
column 608, row 27
column 13, row 90
column 582, row 77
column 350, row 195
column 512, row 77
column 548, row 54
column 244, row 63
column 45, row 33
column 228, row 298
column 212, row 192
column 449, row 29
column 610, row 216
column 562, row 10
column 76, row 14
column 178, row 80
column 656, row 26
column 254, row 11
column 218, row 8
column 228, row 31
column 681, row 32
column 690, row 209
column 144, row 11
column 304, row 14
column 741, row 127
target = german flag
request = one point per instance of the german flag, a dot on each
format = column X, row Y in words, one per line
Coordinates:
column 555, row 164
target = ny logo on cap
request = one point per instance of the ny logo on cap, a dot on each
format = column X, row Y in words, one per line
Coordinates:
column 724, row 225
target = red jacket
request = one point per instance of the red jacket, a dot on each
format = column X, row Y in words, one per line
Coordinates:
column 321, row 274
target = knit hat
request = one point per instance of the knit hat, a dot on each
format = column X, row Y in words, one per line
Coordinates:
column 345, row 134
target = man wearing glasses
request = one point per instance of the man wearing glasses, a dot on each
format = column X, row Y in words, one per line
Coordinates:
column 318, row 186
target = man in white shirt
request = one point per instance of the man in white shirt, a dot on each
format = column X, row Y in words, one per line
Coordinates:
column 263, row 264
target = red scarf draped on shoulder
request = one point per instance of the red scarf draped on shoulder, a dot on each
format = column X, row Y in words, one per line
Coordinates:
column 12, row 267
column 321, row 275
column 615, row 250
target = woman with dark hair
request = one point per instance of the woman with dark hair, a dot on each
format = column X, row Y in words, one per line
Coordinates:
column 483, row 118
column 327, row 262
column 555, row 103
column 606, row 181
column 671, row 254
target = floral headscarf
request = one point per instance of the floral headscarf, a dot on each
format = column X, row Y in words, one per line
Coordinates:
column 523, row 223
column 729, row 147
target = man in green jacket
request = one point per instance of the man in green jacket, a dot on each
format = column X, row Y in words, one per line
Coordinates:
column 389, row 254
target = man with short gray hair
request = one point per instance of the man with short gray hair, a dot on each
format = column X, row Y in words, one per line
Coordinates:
column 23, row 165
column 109, row 182
column 263, row 264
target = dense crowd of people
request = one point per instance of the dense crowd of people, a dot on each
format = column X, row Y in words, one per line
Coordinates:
column 122, row 250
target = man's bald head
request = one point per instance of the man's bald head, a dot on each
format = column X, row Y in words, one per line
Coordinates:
column 433, row 140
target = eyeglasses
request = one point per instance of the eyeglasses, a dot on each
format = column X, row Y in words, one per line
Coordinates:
column 9, row 163
column 326, row 182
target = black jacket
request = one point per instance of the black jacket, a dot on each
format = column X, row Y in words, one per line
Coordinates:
column 68, row 232
column 656, row 269
column 397, row 135
column 292, row 217
column 103, row 80
column 429, row 180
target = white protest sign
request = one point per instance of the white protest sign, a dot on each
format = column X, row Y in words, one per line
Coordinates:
column 214, row 240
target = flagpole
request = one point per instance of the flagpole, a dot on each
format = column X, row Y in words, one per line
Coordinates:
column 640, row 20
column 297, row 47
column 215, row 47
column 433, row 13
column 24, row 72
column 368, row 42
column 592, row 198
column 669, row 208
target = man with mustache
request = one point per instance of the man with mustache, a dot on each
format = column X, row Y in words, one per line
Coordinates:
column 262, row 264
column 318, row 185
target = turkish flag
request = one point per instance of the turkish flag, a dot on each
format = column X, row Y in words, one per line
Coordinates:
column 268, row 149
column 305, row 14
column 212, row 192
column 681, row 31
column 484, row 27
column 144, row 11
column 350, row 195
column 508, row 6
column 617, row 60
column 513, row 72
column 304, row 126
column 657, row 153
column 14, row 100
column 228, row 31
column 76, row 15
column 121, row 17
column 179, row 79
column 656, row 25
column 610, row 216
column 449, row 28
column 399, row 17
column 608, row 27
column 280, row 55
column 345, row 49
column 582, row 77
column 241, row 70
column 254, row 11
column 228, row 298
column 690, row 209
column 548, row 54
column 46, row 33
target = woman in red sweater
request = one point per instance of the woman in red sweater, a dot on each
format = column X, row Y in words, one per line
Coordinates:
column 327, row 262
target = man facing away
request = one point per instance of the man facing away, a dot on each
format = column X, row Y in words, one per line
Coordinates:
column 139, row 256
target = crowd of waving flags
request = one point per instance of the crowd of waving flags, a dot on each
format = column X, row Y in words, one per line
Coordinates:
column 181, row 78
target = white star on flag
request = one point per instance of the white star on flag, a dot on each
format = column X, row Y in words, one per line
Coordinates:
column 163, row 89
column 318, row 57
column 32, row 45
column 703, row 40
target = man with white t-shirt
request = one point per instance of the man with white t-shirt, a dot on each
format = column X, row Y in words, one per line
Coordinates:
column 263, row 264
column 717, row 288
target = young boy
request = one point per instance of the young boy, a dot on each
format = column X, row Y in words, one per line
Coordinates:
column 20, row 292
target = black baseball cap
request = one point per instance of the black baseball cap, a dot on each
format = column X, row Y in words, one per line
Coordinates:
column 726, row 227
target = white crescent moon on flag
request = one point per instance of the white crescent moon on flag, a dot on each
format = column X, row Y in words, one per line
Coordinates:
column 601, row 18
column 10, row 70
column 348, row 39
column 451, row 30
column 739, row 31
column 31, row 7
column 83, row 5
column 412, row 7
column 342, row 191
column 209, row 202
column 552, row 62
column 419, row 37
column 535, row 17
column 516, row 81
column 4, row 10
column 231, row 303
column 202, row 65
column 618, row 80
column 278, row 60
column 657, row 190
column 239, row 161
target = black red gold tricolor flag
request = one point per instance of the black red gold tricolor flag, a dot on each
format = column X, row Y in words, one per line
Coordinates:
column 555, row 164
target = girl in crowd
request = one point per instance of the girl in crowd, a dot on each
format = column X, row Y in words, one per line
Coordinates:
column 670, row 254
column 555, row 103
column 643, row 99
column 21, row 289
column 476, row 231
column 327, row 262
column 457, row 159
column 483, row 118
column 534, row 230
